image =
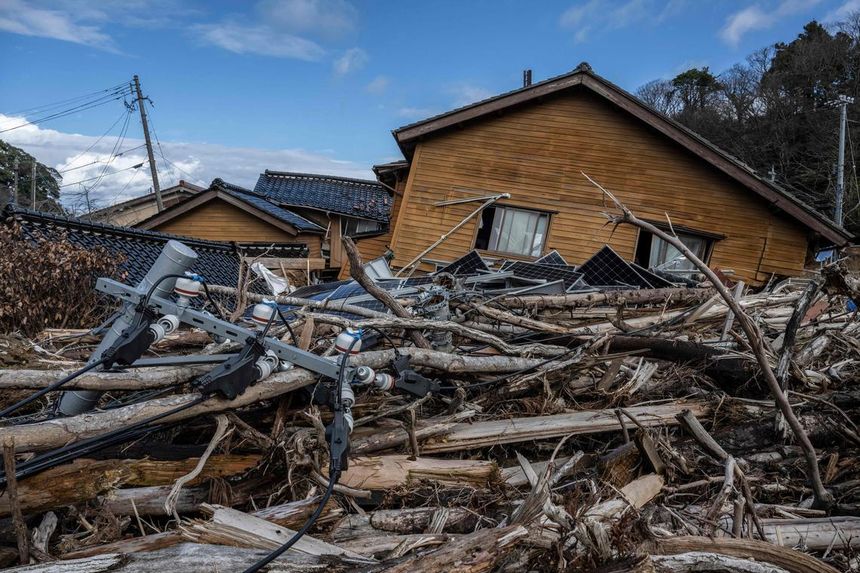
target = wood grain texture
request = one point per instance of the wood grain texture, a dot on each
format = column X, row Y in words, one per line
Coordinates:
column 217, row 220
column 537, row 154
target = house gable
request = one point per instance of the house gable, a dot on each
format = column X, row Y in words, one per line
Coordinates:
column 537, row 153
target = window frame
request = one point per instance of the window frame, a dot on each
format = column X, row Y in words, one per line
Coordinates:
column 710, row 240
column 382, row 228
column 509, row 254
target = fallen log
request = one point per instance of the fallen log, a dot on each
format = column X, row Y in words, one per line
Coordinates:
column 388, row 472
column 789, row 559
column 85, row 479
column 473, row 553
column 466, row 436
column 679, row 296
column 183, row 558
column 228, row 526
column 58, row 432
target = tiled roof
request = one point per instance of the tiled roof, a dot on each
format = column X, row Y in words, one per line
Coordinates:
column 354, row 197
column 217, row 262
column 260, row 202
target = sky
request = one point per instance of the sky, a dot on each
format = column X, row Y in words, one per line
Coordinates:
column 317, row 85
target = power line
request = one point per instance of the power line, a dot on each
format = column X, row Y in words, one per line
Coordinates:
column 79, row 155
column 97, row 161
column 161, row 151
column 113, row 154
column 48, row 106
column 138, row 166
column 82, row 107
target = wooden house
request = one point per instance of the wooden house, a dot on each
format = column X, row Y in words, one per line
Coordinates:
column 535, row 143
column 133, row 211
column 227, row 212
column 357, row 208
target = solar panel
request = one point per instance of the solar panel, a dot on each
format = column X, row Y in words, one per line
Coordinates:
column 606, row 267
column 552, row 258
column 469, row 264
column 656, row 280
column 535, row 271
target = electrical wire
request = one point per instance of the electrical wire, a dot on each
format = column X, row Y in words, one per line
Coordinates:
column 60, row 103
column 334, row 475
column 50, row 388
column 83, row 107
column 113, row 154
column 96, row 142
column 138, row 166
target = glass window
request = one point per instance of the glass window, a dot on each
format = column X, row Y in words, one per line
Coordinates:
column 666, row 257
column 511, row 230
column 355, row 227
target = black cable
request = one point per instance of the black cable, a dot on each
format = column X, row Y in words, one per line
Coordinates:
column 298, row 535
column 83, row 107
column 334, row 475
column 212, row 300
column 50, row 388
column 287, row 324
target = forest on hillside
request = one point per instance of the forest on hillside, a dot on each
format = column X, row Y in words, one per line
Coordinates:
column 776, row 111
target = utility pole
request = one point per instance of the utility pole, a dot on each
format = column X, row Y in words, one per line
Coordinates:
column 152, row 168
column 15, row 181
column 843, row 103
column 33, row 186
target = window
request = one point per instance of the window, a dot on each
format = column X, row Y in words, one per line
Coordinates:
column 357, row 227
column 654, row 252
column 511, row 230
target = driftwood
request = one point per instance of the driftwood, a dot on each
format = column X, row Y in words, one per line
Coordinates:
column 356, row 270
column 387, row 472
column 483, row 434
column 681, row 296
column 823, row 498
column 86, row 479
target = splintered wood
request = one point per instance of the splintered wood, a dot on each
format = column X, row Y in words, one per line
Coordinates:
column 625, row 430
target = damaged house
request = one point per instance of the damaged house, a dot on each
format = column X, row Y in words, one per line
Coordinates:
column 535, row 143
column 284, row 207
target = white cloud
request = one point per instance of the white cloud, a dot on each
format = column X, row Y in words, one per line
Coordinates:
column 353, row 59
column 760, row 17
column 261, row 40
column 843, row 11
column 465, row 94
column 29, row 19
column 377, row 85
column 286, row 29
column 198, row 163
column 583, row 18
column 325, row 17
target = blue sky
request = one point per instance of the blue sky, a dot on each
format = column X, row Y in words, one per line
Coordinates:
column 319, row 84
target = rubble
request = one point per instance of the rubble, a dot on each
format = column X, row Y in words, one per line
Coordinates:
column 574, row 422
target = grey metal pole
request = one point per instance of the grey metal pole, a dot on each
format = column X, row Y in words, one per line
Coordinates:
column 175, row 258
column 840, row 163
column 33, row 186
column 152, row 169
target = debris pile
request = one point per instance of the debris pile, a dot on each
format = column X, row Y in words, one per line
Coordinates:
column 594, row 418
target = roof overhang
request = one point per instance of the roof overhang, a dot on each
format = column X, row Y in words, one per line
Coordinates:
column 210, row 195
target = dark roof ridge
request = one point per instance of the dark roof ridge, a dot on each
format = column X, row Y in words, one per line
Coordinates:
column 323, row 177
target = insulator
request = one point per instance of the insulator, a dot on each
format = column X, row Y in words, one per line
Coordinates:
column 384, row 382
column 348, row 338
column 262, row 313
column 267, row 364
column 164, row 326
column 187, row 287
column 363, row 376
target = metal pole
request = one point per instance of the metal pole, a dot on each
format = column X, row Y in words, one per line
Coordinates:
column 840, row 162
column 155, row 187
column 175, row 258
column 33, row 186
column 15, row 181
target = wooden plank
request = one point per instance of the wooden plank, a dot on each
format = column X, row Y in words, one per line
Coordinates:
column 465, row 436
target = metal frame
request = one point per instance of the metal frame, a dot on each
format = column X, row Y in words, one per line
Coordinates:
column 218, row 327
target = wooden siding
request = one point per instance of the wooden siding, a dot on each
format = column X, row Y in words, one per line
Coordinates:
column 537, row 155
column 217, row 220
